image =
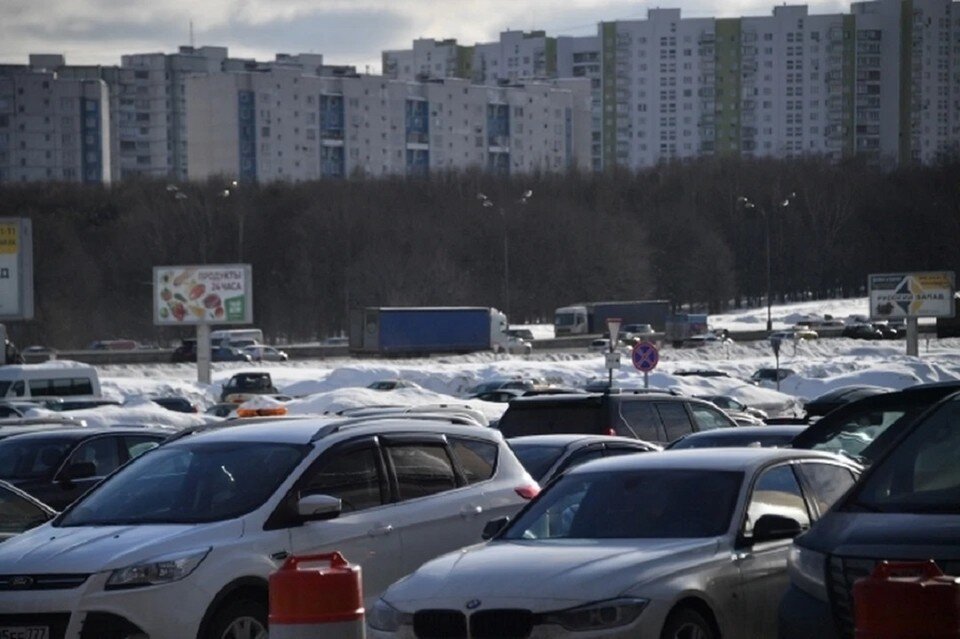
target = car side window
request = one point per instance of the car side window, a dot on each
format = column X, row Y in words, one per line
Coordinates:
column 580, row 457
column 477, row 459
column 353, row 476
column 827, row 482
column 421, row 469
column 676, row 422
column 17, row 514
column 102, row 452
column 708, row 418
column 776, row 492
column 136, row 445
column 642, row 418
column 18, row 388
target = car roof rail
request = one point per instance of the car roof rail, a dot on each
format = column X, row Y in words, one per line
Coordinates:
column 334, row 427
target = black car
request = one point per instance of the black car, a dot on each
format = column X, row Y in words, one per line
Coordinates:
column 861, row 331
column 176, row 403
column 864, row 429
column 759, row 436
column 833, row 399
column 546, row 456
column 57, row 466
column 654, row 417
column 904, row 508
column 186, row 352
column 244, row 384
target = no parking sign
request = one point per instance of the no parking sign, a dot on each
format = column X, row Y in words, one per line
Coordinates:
column 645, row 356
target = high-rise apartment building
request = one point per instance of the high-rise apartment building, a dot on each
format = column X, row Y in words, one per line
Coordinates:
column 281, row 124
column 53, row 128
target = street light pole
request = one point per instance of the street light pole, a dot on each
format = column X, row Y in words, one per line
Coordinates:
column 748, row 204
column 488, row 203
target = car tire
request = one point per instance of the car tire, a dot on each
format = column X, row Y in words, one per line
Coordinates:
column 239, row 619
column 687, row 623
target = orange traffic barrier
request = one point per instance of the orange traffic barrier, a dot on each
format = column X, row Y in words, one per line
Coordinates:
column 907, row 600
column 316, row 596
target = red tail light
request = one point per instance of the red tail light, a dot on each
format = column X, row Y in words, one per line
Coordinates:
column 528, row 491
column 612, row 432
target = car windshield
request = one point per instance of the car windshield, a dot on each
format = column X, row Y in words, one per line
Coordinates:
column 537, row 458
column 29, row 458
column 634, row 504
column 188, row 483
column 921, row 475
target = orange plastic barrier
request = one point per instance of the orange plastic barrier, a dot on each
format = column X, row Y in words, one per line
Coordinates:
column 316, row 596
column 907, row 600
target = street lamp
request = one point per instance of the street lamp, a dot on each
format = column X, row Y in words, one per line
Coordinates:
column 488, row 203
column 225, row 194
column 746, row 203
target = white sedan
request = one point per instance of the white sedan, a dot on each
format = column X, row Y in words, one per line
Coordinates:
column 677, row 545
column 261, row 353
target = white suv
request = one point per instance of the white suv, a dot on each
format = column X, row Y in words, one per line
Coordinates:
column 179, row 543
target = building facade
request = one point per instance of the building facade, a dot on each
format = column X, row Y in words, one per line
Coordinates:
column 280, row 124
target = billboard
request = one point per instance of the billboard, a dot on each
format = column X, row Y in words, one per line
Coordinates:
column 16, row 269
column 207, row 294
column 901, row 295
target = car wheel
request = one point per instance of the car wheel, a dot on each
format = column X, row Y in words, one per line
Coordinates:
column 687, row 623
column 240, row 619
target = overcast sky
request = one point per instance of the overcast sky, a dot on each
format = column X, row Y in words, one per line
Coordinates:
column 344, row 31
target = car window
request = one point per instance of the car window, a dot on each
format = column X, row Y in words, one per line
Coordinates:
column 676, row 422
column 921, row 475
column 827, row 482
column 353, row 476
column 18, row 514
column 477, row 459
column 31, row 458
column 102, row 452
column 19, row 388
column 857, row 431
column 421, row 469
column 136, row 445
column 708, row 418
column 776, row 492
column 580, row 457
column 642, row 418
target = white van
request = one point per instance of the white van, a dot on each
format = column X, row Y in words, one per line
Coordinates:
column 238, row 337
column 49, row 380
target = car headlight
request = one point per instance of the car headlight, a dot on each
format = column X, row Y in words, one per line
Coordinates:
column 599, row 615
column 386, row 618
column 161, row 570
column 807, row 570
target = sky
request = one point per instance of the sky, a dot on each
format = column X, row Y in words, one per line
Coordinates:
column 345, row 31
column 334, row 384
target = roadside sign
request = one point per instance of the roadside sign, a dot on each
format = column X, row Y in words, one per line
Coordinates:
column 207, row 294
column 613, row 327
column 612, row 360
column 16, row 269
column 645, row 356
column 903, row 295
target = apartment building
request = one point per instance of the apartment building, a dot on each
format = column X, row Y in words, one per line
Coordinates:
column 280, row 124
column 53, row 128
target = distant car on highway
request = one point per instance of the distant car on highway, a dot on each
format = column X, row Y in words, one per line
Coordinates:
column 261, row 353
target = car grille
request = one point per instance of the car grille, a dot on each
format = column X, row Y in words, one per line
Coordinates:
column 843, row 572
column 486, row 624
column 56, row 622
column 40, row 582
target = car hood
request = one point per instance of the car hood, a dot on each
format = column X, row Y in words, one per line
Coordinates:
column 550, row 572
column 886, row 535
column 90, row 549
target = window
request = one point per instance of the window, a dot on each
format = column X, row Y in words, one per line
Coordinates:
column 676, row 422
column 477, row 459
column 353, row 476
column 421, row 469
column 101, row 452
column 642, row 420
column 827, row 483
column 136, row 445
column 776, row 493
column 60, row 387
column 708, row 418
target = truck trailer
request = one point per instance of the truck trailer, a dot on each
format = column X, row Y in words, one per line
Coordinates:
column 591, row 318
column 427, row 330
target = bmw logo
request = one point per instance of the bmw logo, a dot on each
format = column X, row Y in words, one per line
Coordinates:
column 473, row 604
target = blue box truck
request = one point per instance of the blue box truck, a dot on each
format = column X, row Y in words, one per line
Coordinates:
column 426, row 330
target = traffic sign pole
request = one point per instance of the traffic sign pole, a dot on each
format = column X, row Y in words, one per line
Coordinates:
column 645, row 358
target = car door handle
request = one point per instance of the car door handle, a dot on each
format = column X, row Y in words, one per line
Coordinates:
column 471, row 511
column 380, row 531
column 741, row 556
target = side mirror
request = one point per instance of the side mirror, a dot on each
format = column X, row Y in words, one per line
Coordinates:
column 318, row 507
column 78, row 470
column 773, row 527
column 493, row 528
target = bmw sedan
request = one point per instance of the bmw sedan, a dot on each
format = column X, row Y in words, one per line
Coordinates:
column 660, row 546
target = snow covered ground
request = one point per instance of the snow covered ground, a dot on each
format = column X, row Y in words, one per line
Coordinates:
column 332, row 384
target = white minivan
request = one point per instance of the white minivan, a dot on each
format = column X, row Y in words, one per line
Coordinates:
column 180, row 542
column 49, row 379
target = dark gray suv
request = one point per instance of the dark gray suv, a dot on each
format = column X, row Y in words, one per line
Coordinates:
column 654, row 417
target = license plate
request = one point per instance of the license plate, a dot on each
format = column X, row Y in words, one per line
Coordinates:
column 25, row 632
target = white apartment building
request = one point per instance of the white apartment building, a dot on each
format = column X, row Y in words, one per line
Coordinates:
column 429, row 58
column 52, row 128
column 580, row 58
column 280, row 124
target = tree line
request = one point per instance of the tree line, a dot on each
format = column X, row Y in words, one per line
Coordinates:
column 319, row 249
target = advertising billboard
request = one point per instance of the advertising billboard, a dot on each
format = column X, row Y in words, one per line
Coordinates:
column 903, row 295
column 16, row 269
column 207, row 294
